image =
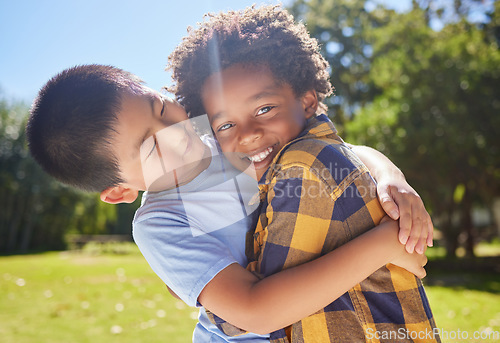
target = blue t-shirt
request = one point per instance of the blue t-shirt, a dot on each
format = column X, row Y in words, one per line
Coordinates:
column 193, row 232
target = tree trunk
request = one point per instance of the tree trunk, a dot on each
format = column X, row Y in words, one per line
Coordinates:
column 468, row 226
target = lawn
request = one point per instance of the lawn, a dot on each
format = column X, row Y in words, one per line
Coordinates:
column 66, row 297
column 465, row 294
column 77, row 297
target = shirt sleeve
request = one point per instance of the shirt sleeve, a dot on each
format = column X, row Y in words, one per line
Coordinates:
column 184, row 262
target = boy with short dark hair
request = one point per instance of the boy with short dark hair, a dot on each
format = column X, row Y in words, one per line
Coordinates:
column 260, row 78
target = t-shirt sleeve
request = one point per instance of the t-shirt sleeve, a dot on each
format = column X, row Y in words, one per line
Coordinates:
column 185, row 262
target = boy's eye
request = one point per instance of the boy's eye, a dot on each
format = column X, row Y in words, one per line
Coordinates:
column 264, row 110
column 153, row 148
column 224, row 127
column 162, row 109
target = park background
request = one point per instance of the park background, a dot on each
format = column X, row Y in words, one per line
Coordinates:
column 418, row 80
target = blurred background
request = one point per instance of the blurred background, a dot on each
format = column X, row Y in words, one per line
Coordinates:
column 418, row 80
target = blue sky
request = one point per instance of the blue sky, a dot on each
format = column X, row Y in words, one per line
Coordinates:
column 39, row 38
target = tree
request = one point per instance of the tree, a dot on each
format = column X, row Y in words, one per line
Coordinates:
column 421, row 87
column 342, row 28
column 437, row 115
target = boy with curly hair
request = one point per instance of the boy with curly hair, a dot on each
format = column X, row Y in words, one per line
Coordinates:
column 260, row 78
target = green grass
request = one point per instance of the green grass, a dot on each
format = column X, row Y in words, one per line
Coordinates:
column 91, row 296
column 70, row 297
column 465, row 293
column 460, row 310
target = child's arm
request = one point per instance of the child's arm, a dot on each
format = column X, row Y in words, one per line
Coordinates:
column 263, row 306
column 398, row 199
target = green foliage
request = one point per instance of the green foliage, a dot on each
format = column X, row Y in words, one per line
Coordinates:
column 432, row 106
column 35, row 210
column 426, row 98
column 342, row 27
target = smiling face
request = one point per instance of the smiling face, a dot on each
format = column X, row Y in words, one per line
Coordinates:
column 155, row 145
column 253, row 115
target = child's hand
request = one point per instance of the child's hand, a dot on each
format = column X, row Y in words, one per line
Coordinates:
column 412, row 262
column 400, row 201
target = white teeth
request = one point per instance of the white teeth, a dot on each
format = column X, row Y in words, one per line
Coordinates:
column 261, row 156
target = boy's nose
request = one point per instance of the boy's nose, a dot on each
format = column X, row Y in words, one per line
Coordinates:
column 249, row 134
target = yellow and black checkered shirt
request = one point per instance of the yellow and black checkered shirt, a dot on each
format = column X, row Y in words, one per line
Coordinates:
column 317, row 195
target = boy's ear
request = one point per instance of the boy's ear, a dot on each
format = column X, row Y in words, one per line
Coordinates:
column 119, row 194
column 310, row 103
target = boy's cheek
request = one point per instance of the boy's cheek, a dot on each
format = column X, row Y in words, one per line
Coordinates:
column 226, row 144
column 238, row 159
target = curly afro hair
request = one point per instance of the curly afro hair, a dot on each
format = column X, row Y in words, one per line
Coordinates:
column 266, row 35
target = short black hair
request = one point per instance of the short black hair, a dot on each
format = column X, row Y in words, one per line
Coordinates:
column 266, row 35
column 71, row 121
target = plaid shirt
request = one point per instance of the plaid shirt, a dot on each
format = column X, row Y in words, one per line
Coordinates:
column 317, row 195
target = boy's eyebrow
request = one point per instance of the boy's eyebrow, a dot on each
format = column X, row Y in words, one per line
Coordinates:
column 215, row 117
column 263, row 94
